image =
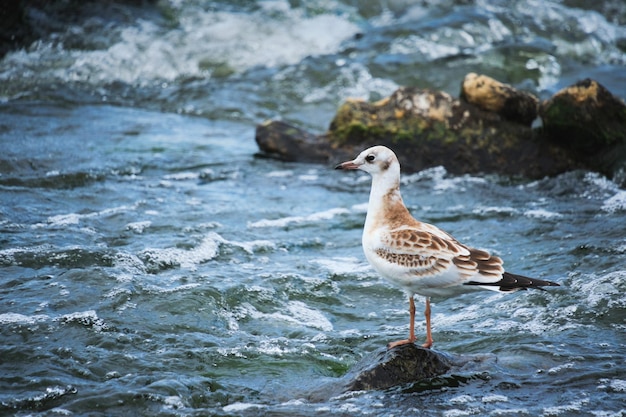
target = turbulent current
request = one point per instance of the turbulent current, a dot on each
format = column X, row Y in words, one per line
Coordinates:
column 151, row 263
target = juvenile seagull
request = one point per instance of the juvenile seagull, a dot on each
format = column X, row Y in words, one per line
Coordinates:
column 419, row 257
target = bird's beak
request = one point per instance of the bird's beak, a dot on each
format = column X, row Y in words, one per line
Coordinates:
column 347, row 165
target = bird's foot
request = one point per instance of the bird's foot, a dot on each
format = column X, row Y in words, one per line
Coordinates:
column 427, row 345
column 400, row 343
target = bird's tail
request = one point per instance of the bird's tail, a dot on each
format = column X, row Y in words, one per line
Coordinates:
column 513, row 282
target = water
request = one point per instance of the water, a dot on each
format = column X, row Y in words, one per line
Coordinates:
column 151, row 264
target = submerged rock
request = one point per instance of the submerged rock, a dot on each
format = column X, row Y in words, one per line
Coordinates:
column 487, row 131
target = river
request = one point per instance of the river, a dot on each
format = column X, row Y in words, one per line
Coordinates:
column 151, row 263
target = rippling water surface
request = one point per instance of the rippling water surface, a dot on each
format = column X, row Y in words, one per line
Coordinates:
column 151, row 264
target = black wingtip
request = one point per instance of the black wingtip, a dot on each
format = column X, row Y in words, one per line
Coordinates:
column 520, row 281
column 513, row 282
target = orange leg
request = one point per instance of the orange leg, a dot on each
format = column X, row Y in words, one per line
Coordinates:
column 412, row 337
column 429, row 336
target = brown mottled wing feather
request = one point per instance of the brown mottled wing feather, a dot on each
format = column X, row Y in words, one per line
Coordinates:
column 428, row 253
column 488, row 267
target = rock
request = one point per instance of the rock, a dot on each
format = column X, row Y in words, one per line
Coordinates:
column 25, row 21
column 404, row 365
column 590, row 122
column 387, row 368
column 15, row 29
column 426, row 129
column 493, row 96
column 487, row 131
column 280, row 140
column 584, row 117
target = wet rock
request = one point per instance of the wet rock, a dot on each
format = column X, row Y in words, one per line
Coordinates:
column 404, row 365
column 585, row 117
column 428, row 128
column 25, row 21
column 488, row 130
column 493, row 96
column 387, row 368
column 590, row 121
column 12, row 27
column 280, row 140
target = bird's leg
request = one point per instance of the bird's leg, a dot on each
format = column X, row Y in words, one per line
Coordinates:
column 429, row 336
column 412, row 337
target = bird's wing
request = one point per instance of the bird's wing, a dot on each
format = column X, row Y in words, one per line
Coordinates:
column 429, row 252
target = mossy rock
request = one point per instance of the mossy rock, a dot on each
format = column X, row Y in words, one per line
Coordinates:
column 429, row 128
column 585, row 118
column 584, row 127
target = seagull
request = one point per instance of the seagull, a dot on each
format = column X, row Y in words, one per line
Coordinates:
column 419, row 257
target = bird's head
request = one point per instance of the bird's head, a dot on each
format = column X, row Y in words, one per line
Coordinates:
column 375, row 160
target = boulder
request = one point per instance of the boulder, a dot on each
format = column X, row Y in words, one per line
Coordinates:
column 487, row 130
column 588, row 120
column 25, row 21
column 280, row 140
column 491, row 95
column 584, row 117
column 425, row 128
column 386, row 368
column 406, row 365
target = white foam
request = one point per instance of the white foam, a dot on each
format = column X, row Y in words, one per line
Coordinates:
column 458, row 413
column 311, row 218
column 558, row 369
column 354, row 81
column 297, row 313
column 596, row 290
column 241, row 406
column 280, row 174
column 253, row 246
column 612, row 385
column 182, row 176
column 494, row 398
column 482, row 210
column 462, row 399
column 541, row 214
column 174, row 402
column 64, row 219
column 160, row 289
column 16, row 318
column 567, row 409
column 61, row 411
column 68, row 219
column 308, row 316
column 87, row 318
column 138, row 227
column 202, row 41
column 308, row 177
column 615, row 203
column 343, row 265
column 188, row 259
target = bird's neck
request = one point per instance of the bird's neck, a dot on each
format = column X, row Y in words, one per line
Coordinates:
column 385, row 203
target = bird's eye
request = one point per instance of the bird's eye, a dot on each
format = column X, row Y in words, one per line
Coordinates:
column 370, row 158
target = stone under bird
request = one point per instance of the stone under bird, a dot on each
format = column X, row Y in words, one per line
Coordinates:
column 419, row 257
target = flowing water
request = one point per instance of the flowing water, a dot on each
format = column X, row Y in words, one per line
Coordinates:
column 152, row 264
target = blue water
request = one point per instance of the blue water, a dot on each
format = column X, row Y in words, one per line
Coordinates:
column 152, row 264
